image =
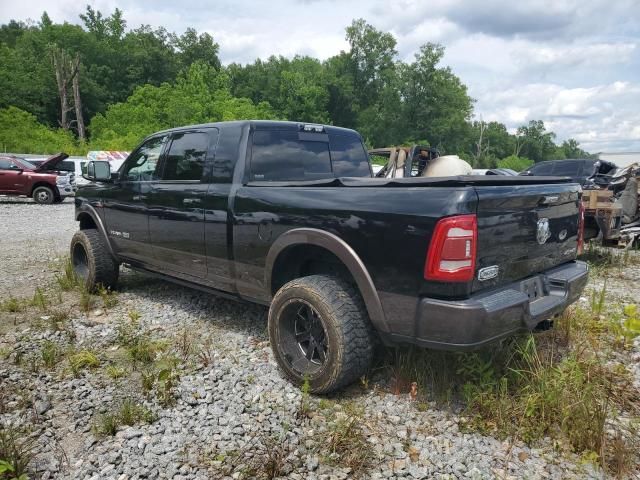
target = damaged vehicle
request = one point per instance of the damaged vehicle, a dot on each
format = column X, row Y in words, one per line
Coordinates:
column 289, row 215
column 45, row 183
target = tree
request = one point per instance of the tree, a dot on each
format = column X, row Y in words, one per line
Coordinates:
column 371, row 56
column 66, row 71
column 515, row 163
column 193, row 47
column 200, row 95
column 537, row 143
column 21, row 132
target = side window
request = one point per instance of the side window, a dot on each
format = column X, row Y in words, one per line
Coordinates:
column 141, row 165
column 186, row 156
column 348, row 156
column 283, row 155
column 542, row 169
column 566, row 169
column 5, row 164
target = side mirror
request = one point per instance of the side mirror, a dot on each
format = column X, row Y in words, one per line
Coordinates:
column 98, row 171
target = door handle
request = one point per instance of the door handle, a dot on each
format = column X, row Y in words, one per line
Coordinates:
column 190, row 201
column 139, row 197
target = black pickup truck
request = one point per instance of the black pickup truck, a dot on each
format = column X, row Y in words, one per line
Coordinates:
column 288, row 215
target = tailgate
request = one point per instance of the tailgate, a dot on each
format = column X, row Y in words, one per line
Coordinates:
column 524, row 230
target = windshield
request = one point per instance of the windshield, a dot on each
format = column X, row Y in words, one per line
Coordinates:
column 26, row 164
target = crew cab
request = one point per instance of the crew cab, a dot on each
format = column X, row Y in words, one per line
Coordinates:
column 45, row 183
column 288, row 215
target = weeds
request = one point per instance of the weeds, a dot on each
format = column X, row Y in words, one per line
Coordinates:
column 16, row 451
column 86, row 299
column 50, row 354
column 109, row 298
column 184, row 344
column 83, row 360
column 12, row 305
column 127, row 413
column 262, row 457
column 115, row 372
column 304, row 408
column 346, row 443
column 558, row 384
column 68, row 280
column 39, row 300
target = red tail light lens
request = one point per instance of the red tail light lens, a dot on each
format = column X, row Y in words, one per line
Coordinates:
column 452, row 252
column 580, row 227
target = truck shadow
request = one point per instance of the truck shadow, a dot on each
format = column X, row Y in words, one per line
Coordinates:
column 238, row 316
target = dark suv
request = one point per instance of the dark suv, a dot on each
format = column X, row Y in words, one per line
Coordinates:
column 581, row 170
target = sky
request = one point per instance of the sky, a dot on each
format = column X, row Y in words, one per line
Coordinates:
column 573, row 63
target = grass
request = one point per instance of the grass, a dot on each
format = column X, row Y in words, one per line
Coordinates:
column 127, row 413
column 345, row 442
column 263, row 456
column 83, row 360
column 68, row 280
column 39, row 300
column 12, row 305
column 115, row 372
column 564, row 383
column 16, row 452
column 108, row 297
column 50, row 354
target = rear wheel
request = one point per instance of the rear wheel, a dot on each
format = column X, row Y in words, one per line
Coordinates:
column 43, row 195
column 91, row 260
column 320, row 332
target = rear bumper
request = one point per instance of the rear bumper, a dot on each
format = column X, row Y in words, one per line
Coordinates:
column 489, row 316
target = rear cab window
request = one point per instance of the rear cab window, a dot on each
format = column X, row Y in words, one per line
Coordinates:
column 290, row 155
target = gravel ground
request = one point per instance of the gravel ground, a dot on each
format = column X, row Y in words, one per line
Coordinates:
column 233, row 412
column 32, row 236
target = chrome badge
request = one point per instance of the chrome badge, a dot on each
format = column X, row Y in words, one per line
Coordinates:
column 487, row 273
column 544, row 232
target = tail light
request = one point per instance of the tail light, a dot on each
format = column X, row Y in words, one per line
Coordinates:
column 452, row 252
column 580, row 227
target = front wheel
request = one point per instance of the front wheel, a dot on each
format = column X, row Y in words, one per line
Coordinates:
column 92, row 262
column 320, row 332
column 43, row 195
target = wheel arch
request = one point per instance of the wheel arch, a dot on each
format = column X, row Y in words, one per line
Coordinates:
column 90, row 219
column 338, row 248
column 42, row 183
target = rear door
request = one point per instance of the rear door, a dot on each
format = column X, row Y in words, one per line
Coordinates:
column 176, row 204
column 523, row 230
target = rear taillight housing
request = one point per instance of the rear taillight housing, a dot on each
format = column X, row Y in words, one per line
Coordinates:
column 452, row 251
column 580, row 227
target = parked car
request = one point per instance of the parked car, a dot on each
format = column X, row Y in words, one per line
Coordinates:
column 288, row 215
column 45, row 183
column 586, row 172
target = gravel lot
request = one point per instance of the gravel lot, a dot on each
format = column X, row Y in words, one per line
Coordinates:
column 232, row 412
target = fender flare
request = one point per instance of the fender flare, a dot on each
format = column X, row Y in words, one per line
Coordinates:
column 87, row 209
column 344, row 252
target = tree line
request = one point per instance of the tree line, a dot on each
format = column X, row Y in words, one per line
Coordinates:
column 101, row 85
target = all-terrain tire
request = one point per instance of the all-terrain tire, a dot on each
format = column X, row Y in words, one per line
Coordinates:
column 43, row 195
column 348, row 332
column 92, row 261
